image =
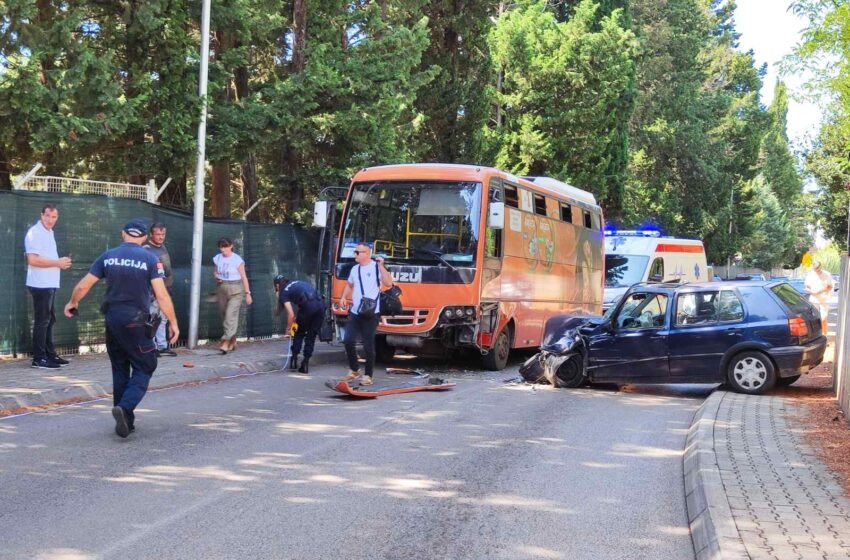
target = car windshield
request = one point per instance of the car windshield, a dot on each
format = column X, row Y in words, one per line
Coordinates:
column 624, row 270
column 432, row 222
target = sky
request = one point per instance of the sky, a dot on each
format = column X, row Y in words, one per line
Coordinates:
column 771, row 31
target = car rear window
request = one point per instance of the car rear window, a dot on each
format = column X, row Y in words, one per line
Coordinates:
column 790, row 297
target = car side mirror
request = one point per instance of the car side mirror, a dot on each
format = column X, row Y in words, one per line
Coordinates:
column 607, row 326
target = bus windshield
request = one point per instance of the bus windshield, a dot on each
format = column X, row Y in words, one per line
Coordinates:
column 414, row 221
column 624, row 270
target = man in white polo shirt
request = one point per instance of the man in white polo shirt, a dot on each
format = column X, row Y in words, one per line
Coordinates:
column 43, row 266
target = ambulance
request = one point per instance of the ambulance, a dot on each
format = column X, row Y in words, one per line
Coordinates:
column 646, row 256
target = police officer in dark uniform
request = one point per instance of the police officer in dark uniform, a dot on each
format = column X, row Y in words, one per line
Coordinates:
column 131, row 273
column 311, row 311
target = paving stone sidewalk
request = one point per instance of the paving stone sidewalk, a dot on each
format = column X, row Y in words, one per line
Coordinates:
column 90, row 376
column 784, row 503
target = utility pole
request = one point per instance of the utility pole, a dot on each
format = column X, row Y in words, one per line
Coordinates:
column 731, row 216
column 198, row 217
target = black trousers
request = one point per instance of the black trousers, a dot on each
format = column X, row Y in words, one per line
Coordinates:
column 309, row 318
column 363, row 329
column 133, row 357
column 43, row 303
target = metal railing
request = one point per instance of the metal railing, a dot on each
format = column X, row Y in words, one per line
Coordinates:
column 85, row 186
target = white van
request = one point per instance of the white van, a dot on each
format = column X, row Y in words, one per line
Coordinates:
column 645, row 256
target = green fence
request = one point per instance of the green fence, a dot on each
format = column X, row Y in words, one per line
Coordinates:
column 90, row 224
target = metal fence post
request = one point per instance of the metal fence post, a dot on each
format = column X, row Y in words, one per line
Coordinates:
column 23, row 180
column 840, row 371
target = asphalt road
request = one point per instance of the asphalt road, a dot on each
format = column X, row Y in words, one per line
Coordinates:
column 277, row 466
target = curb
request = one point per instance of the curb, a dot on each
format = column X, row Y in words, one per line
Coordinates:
column 89, row 391
column 713, row 530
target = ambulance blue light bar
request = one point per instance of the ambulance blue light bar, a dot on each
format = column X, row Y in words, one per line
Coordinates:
column 632, row 233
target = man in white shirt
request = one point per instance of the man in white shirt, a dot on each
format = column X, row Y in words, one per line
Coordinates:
column 819, row 286
column 43, row 266
column 366, row 279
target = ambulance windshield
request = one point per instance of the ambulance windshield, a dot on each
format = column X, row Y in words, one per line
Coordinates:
column 624, row 270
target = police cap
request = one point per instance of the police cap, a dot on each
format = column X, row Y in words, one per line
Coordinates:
column 136, row 228
column 281, row 280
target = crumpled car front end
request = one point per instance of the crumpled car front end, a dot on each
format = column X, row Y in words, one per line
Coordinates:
column 562, row 357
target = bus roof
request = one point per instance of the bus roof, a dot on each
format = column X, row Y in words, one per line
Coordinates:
column 459, row 172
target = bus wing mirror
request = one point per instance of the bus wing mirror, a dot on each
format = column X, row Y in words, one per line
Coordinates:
column 320, row 214
column 496, row 217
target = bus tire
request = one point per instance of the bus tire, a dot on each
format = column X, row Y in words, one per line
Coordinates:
column 384, row 353
column 497, row 358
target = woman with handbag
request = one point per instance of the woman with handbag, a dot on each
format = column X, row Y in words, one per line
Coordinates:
column 363, row 289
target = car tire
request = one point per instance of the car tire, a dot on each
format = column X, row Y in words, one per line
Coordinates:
column 384, row 353
column 786, row 381
column 751, row 373
column 570, row 374
column 497, row 358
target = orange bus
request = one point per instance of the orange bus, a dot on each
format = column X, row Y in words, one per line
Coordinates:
column 483, row 257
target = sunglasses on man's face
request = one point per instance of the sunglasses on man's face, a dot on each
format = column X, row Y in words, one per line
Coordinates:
column 357, row 251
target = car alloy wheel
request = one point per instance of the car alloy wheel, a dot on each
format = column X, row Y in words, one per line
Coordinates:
column 752, row 373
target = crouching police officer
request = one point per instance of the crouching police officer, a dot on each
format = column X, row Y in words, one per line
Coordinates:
column 311, row 311
column 131, row 272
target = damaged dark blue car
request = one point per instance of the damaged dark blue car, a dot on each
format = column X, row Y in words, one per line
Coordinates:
column 751, row 335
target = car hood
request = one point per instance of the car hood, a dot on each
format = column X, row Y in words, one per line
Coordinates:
column 562, row 332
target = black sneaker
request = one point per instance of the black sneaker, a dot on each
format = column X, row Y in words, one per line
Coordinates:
column 59, row 360
column 166, row 352
column 122, row 428
column 44, row 364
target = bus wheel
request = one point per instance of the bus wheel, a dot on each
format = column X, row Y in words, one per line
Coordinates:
column 497, row 358
column 383, row 351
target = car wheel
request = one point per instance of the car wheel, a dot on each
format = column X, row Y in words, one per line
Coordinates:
column 786, row 381
column 383, row 351
column 497, row 358
column 751, row 373
column 570, row 374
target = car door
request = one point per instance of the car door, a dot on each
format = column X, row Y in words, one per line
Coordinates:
column 705, row 324
column 636, row 345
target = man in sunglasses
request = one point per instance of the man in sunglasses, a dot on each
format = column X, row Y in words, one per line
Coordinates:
column 365, row 281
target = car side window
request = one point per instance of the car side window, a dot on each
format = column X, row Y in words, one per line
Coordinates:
column 729, row 307
column 642, row 311
column 697, row 308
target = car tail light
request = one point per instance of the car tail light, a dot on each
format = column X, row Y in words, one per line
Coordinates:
column 798, row 327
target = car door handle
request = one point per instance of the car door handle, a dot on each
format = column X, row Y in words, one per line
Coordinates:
column 734, row 331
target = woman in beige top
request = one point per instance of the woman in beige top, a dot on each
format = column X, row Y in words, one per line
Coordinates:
column 232, row 283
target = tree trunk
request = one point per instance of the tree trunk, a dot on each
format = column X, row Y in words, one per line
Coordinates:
column 220, row 192
column 220, row 198
column 291, row 159
column 250, row 193
column 5, row 171
column 299, row 34
column 248, row 167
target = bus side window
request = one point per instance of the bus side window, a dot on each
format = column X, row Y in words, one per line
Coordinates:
column 566, row 213
column 511, row 196
column 493, row 240
column 539, row 205
column 588, row 222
